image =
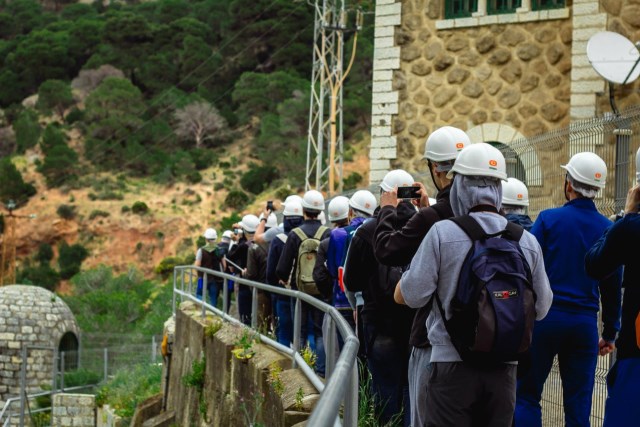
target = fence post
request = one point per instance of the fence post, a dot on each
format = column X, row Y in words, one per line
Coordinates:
column 330, row 344
column 105, row 361
column 351, row 398
column 62, row 368
column 154, row 349
column 23, row 384
column 225, row 293
column 205, row 285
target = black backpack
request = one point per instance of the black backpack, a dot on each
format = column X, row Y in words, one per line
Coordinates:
column 493, row 309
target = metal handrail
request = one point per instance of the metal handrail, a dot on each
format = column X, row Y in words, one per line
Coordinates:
column 341, row 387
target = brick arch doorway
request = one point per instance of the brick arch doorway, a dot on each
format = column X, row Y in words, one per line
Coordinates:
column 522, row 159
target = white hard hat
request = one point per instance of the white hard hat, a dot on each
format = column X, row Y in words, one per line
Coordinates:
column 587, row 168
column 210, row 234
column 313, row 199
column 397, row 177
column 272, row 220
column 445, row 143
column 292, row 208
column 480, row 159
column 514, row 192
column 338, row 208
column 292, row 197
column 322, row 218
column 249, row 223
column 364, row 200
column 228, row 234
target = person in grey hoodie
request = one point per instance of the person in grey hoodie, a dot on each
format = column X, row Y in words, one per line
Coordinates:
column 459, row 394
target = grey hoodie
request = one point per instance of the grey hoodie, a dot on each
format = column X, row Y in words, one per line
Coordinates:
column 436, row 265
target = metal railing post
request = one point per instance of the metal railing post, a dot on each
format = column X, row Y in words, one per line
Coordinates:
column 23, row 384
column 330, row 345
column 225, row 295
column 62, row 368
column 254, row 307
column 154, row 349
column 297, row 325
column 205, row 283
column 350, row 418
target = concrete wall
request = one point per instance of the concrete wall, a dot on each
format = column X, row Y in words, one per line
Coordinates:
column 232, row 388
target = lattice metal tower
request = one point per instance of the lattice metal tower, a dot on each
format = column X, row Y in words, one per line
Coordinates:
column 325, row 136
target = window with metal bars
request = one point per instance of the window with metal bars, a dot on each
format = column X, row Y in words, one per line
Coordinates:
column 547, row 4
column 460, row 8
column 496, row 7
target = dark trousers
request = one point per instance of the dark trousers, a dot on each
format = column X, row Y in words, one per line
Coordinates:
column 284, row 320
column 388, row 361
column 573, row 337
column 459, row 395
column 244, row 304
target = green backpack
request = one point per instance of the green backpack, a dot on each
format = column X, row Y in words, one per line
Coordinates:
column 306, row 261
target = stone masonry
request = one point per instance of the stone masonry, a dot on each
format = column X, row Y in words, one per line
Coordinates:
column 35, row 317
column 73, row 410
column 498, row 77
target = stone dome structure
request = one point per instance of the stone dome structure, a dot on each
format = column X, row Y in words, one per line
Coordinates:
column 36, row 320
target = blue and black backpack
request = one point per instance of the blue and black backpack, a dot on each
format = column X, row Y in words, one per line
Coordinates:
column 493, row 309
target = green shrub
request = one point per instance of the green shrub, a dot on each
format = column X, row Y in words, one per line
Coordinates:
column 140, row 208
column 193, row 177
column 12, row 186
column 203, row 158
column 70, row 259
column 27, row 130
column 236, row 199
column 125, row 209
column 52, row 137
column 351, row 182
column 44, row 254
column 66, row 211
column 75, row 115
column 129, row 387
column 228, row 221
column 224, row 165
column 257, row 178
column 98, row 213
column 42, row 275
column 218, row 186
column 166, row 266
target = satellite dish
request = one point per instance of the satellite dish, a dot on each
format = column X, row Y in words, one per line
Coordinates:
column 614, row 57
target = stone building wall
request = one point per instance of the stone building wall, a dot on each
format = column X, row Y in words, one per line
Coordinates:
column 498, row 77
column 35, row 317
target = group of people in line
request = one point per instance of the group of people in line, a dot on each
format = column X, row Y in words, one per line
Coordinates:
column 382, row 263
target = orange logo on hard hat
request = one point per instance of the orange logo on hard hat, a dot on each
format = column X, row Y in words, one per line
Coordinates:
column 598, row 175
column 367, row 205
column 459, row 145
column 493, row 163
column 519, row 196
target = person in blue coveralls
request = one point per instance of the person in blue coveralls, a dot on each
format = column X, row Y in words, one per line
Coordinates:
column 570, row 329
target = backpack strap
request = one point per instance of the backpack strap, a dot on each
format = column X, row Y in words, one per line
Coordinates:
column 300, row 234
column 320, row 232
column 514, row 231
column 469, row 226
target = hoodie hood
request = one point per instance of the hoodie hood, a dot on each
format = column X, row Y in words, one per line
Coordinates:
column 291, row 222
column 470, row 191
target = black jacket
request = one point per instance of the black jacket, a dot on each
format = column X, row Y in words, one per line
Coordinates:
column 377, row 281
column 394, row 246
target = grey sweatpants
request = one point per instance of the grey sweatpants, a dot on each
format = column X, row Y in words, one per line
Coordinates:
column 459, row 395
column 418, row 377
